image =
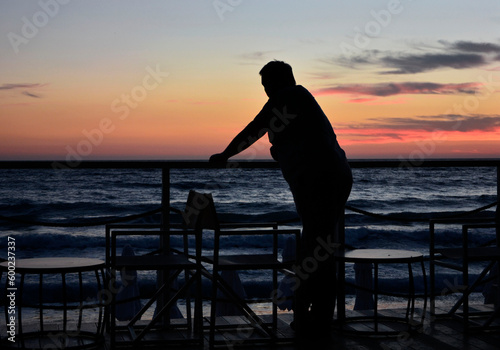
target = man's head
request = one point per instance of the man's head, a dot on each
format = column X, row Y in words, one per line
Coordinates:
column 276, row 75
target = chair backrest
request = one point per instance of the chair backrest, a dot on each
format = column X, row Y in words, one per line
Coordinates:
column 200, row 212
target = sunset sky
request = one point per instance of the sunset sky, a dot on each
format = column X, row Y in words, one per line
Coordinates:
column 156, row 79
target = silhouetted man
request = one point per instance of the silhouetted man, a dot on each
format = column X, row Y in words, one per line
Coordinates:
column 316, row 169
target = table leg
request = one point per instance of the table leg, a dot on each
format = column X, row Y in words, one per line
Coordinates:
column 375, row 296
column 410, row 308
column 40, row 298
column 65, row 302
column 19, row 308
column 80, row 310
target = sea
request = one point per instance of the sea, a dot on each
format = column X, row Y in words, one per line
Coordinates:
column 60, row 213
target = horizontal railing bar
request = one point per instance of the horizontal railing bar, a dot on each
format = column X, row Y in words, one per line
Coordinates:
column 200, row 164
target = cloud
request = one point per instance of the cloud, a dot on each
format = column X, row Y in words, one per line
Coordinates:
column 371, row 101
column 404, row 88
column 455, row 55
column 23, row 87
column 30, row 94
column 469, row 46
column 373, row 135
column 362, row 100
column 256, row 57
column 410, row 64
column 444, row 122
column 19, row 86
column 322, row 75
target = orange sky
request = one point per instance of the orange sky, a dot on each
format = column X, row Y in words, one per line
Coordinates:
column 169, row 80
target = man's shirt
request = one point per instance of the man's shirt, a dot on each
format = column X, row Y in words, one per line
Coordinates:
column 302, row 138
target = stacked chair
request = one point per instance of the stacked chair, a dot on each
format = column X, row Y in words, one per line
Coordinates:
column 460, row 258
column 200, row 230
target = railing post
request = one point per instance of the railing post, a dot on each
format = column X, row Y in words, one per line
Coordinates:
column 165, row 205
column 164, row 239
column 497, row 213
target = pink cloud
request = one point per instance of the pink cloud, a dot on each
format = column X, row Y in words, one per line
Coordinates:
column 377, row 101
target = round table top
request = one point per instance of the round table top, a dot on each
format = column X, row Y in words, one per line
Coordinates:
column 381, row 255
column 54, row 265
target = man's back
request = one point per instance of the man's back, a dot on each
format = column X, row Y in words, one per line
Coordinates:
column 304, row 139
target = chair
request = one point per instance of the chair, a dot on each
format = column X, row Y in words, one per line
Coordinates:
column 221, row 262
column 459, row 259
column 173, row 263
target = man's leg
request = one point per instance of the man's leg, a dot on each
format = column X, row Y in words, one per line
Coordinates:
column 328, row 216
column 320, row 204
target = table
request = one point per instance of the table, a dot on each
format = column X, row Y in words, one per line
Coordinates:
column 387, row 256
column 71, row 332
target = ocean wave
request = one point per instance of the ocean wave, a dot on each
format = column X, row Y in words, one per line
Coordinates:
column 254, row 289
column 361, row 230
column 399, row 204
column 35, row 241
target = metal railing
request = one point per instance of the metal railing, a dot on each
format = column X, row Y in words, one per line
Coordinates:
column 167, row 165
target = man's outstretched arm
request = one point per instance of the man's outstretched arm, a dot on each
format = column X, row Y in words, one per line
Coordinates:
column 251, row 133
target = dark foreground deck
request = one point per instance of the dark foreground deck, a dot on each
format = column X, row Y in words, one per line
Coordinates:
column 442, row 333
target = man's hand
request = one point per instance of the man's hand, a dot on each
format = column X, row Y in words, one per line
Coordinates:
column 218, row 158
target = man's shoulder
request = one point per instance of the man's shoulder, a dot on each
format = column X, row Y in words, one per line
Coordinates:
column 299, row 89
column 296, row 91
